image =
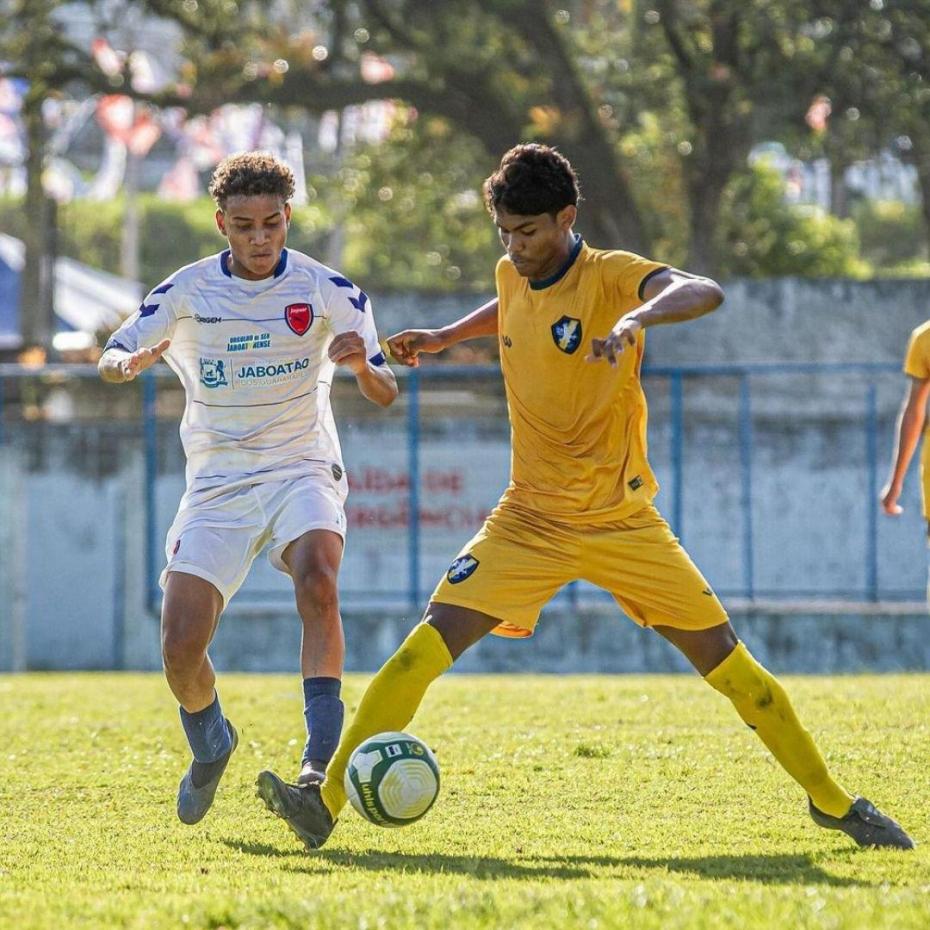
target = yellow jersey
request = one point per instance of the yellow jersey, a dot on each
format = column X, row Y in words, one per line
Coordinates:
column 578, row 429
column 917, row 365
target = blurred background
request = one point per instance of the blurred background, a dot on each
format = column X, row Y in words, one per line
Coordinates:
column 782, row 147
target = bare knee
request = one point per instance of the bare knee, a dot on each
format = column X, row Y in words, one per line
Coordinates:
column 183, row 650
column 317, row 592
column 459, row 627
column 704, row 649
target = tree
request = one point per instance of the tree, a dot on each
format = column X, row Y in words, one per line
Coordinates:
column 32, row 47
column 502, row 71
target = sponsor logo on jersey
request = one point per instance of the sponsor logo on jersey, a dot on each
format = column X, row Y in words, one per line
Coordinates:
column 273, row 372
column 213, row 373
column 506, row 341
column 463, row 567
column 635, row 483
column 249, row 341
column 337, row 471
column 566, row 333
column 299, row 317
column 177, row 546
column 207, row 319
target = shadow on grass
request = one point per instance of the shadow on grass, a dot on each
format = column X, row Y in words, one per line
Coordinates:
column 773, row 869
column 478, row 867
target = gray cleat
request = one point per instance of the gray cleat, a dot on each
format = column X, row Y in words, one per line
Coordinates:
column 866, row 824
column 301, row 808
column 195, row 800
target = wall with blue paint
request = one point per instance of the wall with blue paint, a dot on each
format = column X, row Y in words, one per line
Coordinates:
column 73, row 581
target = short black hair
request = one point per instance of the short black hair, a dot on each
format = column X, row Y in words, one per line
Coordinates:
column 532, row 179
column 251, row 174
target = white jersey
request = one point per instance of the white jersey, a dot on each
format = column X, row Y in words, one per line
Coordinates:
column 252, row 356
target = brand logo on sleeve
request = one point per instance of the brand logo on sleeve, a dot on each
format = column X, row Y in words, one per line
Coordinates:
column 213, row 373
column 299, row 317
column 566, row 333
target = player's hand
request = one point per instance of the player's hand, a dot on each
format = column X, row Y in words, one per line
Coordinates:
column 889, row 499
column 622, row 335
column 406, row 346
column 143, row 358
column 348, row 350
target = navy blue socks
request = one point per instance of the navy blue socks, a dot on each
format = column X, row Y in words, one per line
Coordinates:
column 323, row 711
column 207, row 732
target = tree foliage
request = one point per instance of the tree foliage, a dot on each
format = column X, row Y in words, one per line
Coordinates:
column 657, row 102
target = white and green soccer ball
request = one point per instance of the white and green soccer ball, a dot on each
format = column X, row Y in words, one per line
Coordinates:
column 392, row 779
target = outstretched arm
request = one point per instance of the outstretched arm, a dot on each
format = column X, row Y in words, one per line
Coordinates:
column 907, row 434
column 118, row 365
column 672, row 296
column 407, row 345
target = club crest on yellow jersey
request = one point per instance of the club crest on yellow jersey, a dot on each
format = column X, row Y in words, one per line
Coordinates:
column 566, row 333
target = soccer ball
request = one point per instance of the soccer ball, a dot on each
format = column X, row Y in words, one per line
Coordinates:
column 392, row 779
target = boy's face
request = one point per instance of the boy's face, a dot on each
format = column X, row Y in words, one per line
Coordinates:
column 256, row 229
column 539, row 244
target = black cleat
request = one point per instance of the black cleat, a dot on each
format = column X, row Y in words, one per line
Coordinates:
column 300, row 807
column 198, row 786
column 866, row 824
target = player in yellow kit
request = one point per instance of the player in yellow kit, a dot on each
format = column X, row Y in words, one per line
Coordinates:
column 910, row 426
column 570, row 322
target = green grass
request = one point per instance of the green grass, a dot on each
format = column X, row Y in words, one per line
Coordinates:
column 567, row 802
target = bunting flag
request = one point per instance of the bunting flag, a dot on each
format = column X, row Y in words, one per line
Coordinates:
column 126, row 121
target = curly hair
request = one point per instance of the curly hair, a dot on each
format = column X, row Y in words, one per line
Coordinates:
column 251, row 174
column 532, row 179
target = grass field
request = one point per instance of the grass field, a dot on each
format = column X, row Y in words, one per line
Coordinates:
column 586, row 802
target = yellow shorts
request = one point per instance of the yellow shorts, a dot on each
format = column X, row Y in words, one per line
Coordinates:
column 518, row 560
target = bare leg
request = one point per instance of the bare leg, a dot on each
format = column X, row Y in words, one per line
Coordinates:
column 704, row 649
column 190, row 613
column 313, row 561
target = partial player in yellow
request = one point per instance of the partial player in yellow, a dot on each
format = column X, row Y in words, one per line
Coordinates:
column 570, row 321
column 910, row 427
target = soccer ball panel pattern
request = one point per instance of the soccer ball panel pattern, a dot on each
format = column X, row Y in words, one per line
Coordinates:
column 392, row 779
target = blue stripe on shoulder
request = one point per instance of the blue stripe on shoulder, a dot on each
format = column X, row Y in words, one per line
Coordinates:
column 163, row 288
column 340, row 281
column 113, row 344
column 147, row 309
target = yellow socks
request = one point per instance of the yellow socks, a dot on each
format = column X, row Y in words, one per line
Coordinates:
column 763, row 704
column 389, row 703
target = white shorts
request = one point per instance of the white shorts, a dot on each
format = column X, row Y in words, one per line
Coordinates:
column 217, row 533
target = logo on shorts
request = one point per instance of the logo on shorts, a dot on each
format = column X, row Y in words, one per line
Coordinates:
column 212, row 373
column 566, row 333
column 177, row 546
column 507, row 341
column 299, row 317
column 463, row 567
column 635, row 483
column 337, row 471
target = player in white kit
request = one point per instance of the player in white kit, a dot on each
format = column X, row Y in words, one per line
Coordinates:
column 254, row 333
